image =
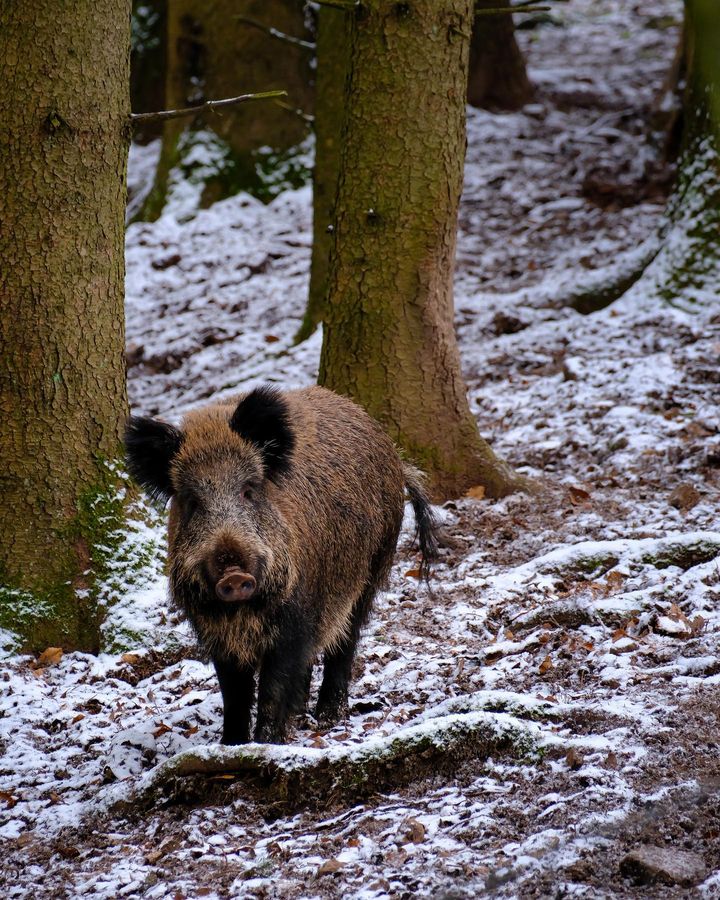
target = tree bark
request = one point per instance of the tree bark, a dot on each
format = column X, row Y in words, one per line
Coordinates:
column 211, row 55
column 497, row 77
column 692, row 254
column 389, row 339
column 333, row 56
column 64, row 97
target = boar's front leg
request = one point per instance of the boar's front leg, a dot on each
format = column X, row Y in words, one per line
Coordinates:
column 284, row 678
column 237, row 686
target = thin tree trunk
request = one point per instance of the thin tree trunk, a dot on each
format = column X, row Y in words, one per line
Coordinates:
column 148, row 64
column 497, row 77
column 64, row 98
column 692, row 254
column 333, row 56
column 389, row 339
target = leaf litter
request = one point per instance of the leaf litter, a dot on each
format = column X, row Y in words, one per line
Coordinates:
column 586, row 618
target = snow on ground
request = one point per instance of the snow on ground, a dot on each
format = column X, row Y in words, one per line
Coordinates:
column 588, row 615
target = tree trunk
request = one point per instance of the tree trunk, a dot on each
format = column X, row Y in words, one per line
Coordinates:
column 211, row 54
column 691, row 258
column 333, row 56
column 64, row 71
column 497, row 78
column 389, row 340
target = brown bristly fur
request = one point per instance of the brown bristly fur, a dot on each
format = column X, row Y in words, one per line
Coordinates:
column 328, row 530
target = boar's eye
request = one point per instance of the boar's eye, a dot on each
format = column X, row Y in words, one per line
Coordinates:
column 248, row 492
column 189, row 506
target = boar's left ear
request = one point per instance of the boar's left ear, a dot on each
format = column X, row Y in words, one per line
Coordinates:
column 263, row 419
column 150, row 446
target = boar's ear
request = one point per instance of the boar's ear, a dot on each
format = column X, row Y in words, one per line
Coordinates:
column 150, row 447
column 263, row 419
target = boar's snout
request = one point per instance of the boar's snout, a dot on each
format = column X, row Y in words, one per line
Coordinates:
column 235, row 586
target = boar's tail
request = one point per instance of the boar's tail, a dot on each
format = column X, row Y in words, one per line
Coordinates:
column 425, row 522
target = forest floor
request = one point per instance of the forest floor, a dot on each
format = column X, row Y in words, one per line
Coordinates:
column 576, row 632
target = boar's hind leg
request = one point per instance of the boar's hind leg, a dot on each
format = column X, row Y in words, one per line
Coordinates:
column 332, row 702
column 237, row 686
column 284, row 678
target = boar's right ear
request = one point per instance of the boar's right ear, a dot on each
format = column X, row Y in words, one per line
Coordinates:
column 150, row 447
column 263, row 418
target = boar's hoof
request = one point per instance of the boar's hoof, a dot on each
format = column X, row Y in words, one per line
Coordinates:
column 235, row 586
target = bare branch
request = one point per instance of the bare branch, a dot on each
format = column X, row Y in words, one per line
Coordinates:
column 504, row 11
column 141, row 118
column 273, row 32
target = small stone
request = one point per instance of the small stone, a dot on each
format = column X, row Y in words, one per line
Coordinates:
column 623, row 645
column 684, row 496
column 672, row 627
column 648, row 863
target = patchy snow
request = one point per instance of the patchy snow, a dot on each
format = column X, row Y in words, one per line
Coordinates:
column 586, row 617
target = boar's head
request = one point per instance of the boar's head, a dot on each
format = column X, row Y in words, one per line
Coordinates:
column 228, row 541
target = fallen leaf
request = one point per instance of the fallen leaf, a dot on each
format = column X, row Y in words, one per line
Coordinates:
column 49, row 657
column 319, row 743
column 677, row 615
column 546, row 665
column 697, row 625
column 618, row 634
column 68, row 852
column 329, row 867
column 415, row 831
column 611, row 761
column 578, row 495
column 614, row 581
column 193, row 729
column 353, row 842
column 573, row 759
column 162, row 729
column 412, row 573
column 78, row 718
column 8, row 799
column 130, row 658
column 476, row 493
column 271, row 338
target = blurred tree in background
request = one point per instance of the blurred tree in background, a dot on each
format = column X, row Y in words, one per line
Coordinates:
column 213, row 53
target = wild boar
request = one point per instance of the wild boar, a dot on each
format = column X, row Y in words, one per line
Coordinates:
column 285, row 510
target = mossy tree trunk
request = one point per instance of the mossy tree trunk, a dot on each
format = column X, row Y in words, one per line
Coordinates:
column 212, row 54
column 64, row 71
column 389, row 340
column 692, row 258
column 333, row 56
column 497, row 77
